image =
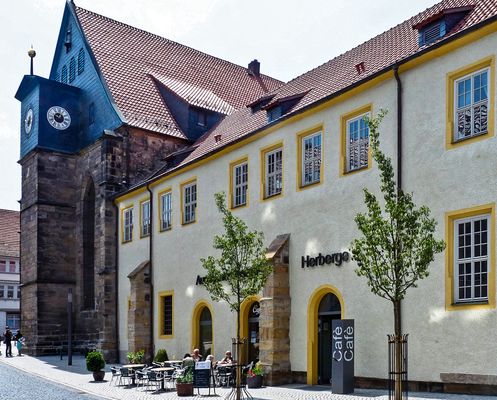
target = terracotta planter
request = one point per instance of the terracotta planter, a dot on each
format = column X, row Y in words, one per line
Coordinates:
column 184, row 389
column 254, row 382
column 98, row 376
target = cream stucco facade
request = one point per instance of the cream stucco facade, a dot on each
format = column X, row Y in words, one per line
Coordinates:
column 320, row 219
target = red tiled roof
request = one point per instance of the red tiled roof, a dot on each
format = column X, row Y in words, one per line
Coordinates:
column 128, row 57
column 377, row 54
column 9, row 233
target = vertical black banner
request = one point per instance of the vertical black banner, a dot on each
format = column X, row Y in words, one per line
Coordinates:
column 343, row 352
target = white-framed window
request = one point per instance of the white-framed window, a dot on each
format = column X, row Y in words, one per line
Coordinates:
column 471, row 104
column 357, row 151
column 311, row 159
column 145, row 218
column 14, row 321
column 166, row 211
column 273, row 172
column 189, row 202
column 471, row 255
column 10, row 292
column 128, row 224
column 240, row 184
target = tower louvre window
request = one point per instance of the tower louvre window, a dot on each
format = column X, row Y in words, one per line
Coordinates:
column 81, row 61
column 63, row 77
column 72, row 69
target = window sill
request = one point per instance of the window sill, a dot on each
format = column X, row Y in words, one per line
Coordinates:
column 144, row 236
column 238, row 206
column 189, row 222
column 354, row 171
column 309, row 185
column 166, row 336
column 126, row 241
column 470, row 305
column 455, row 143
column 166, row 229
column 274, row 196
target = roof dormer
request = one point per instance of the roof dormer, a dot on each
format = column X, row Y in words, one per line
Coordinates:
column 279, row 107
column 438, row 25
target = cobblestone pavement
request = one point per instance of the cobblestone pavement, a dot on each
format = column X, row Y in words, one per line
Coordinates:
column 19, row 385
column 80, row 380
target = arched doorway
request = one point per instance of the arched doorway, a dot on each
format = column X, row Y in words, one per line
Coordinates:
column 253, row 332
column 325, row 304
column 329, row 309
column 205, row 332
column 202, row 328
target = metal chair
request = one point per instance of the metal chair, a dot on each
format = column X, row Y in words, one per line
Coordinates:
column 116, row 374
column 155, row 378
column 127, row 374
column 225, row 375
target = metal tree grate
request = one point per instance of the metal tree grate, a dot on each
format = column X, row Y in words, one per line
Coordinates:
column 397, row 377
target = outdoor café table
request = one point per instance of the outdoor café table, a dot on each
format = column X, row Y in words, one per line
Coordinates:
column 133, row 366
column 173, row 362
column 163, row 369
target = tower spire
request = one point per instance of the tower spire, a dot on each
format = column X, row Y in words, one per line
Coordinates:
column 31, row 54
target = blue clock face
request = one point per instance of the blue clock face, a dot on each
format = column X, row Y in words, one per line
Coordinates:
column 58, row 117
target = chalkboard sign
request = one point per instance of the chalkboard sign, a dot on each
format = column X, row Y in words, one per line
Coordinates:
column 202, row 374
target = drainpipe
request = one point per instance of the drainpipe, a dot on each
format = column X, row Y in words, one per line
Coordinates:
column 116, row 279
column 399, row 127
column 151, row 276
column 399, row 149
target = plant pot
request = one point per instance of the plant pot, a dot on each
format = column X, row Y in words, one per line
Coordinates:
column 254, row 382
column 98, row 376
column 184, row 389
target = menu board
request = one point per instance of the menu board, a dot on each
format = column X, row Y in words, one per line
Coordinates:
column 202, row 374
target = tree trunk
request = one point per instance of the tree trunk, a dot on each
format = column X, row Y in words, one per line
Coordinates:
column 398, row 349
column 238, row 367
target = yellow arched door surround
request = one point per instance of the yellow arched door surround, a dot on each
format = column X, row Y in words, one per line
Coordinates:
column 244, row 325
column 312, row 328
column 197, row 310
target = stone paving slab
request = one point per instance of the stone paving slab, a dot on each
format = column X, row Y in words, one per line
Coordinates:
column 77, row 377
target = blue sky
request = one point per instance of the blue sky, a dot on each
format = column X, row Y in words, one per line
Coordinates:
column 288, row 37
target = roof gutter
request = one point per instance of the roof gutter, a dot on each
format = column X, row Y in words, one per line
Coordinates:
column 319, row 102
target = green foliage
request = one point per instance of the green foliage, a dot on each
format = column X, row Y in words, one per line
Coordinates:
column 258, row 370
column 136, row 357
column 397, row 243
column 94, row 361
column 187, row 377
column 161, row 356
column 242, row 269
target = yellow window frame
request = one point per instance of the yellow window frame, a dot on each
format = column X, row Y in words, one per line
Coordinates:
column 300, row 138
column 263, row 152
column 182, row 186
column 450, row 218
column 233, row 165
column 163, row 294
column 344, row 118
column 123, row 211
column 159, row 208
column 452, row 77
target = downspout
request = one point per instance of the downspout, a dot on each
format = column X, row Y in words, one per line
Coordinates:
column 399, row 149
column 151, row 276
column 399, row 127
column 116, row 279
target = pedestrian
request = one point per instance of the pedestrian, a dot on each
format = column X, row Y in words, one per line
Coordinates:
column 8, row 342
column 20, row 341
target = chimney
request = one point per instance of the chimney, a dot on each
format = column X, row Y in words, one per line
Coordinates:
column 254, row 68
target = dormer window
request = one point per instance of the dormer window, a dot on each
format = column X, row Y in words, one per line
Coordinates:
column 432, row 32
column 273, row 113
column 201, row 118
column 438, row 25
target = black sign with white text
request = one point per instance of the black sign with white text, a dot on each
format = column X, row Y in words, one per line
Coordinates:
column 343, row 351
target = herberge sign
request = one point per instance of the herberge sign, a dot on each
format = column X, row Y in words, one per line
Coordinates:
column 334, row 258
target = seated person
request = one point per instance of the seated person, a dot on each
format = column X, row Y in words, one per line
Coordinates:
column 187, row 361
column 196, row 355
column 228, row 359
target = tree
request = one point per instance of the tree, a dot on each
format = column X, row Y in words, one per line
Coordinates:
column 397, row 243
column 240, row 271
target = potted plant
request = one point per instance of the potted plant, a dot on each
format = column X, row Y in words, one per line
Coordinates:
column 94, row 363
column 161, row 356
column 184, row 383
column 136, row 357
column 254, row 376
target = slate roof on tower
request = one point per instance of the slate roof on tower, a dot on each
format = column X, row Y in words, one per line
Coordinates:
column 134, row 62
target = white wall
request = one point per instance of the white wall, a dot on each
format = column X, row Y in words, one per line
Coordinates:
column 320, row 219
